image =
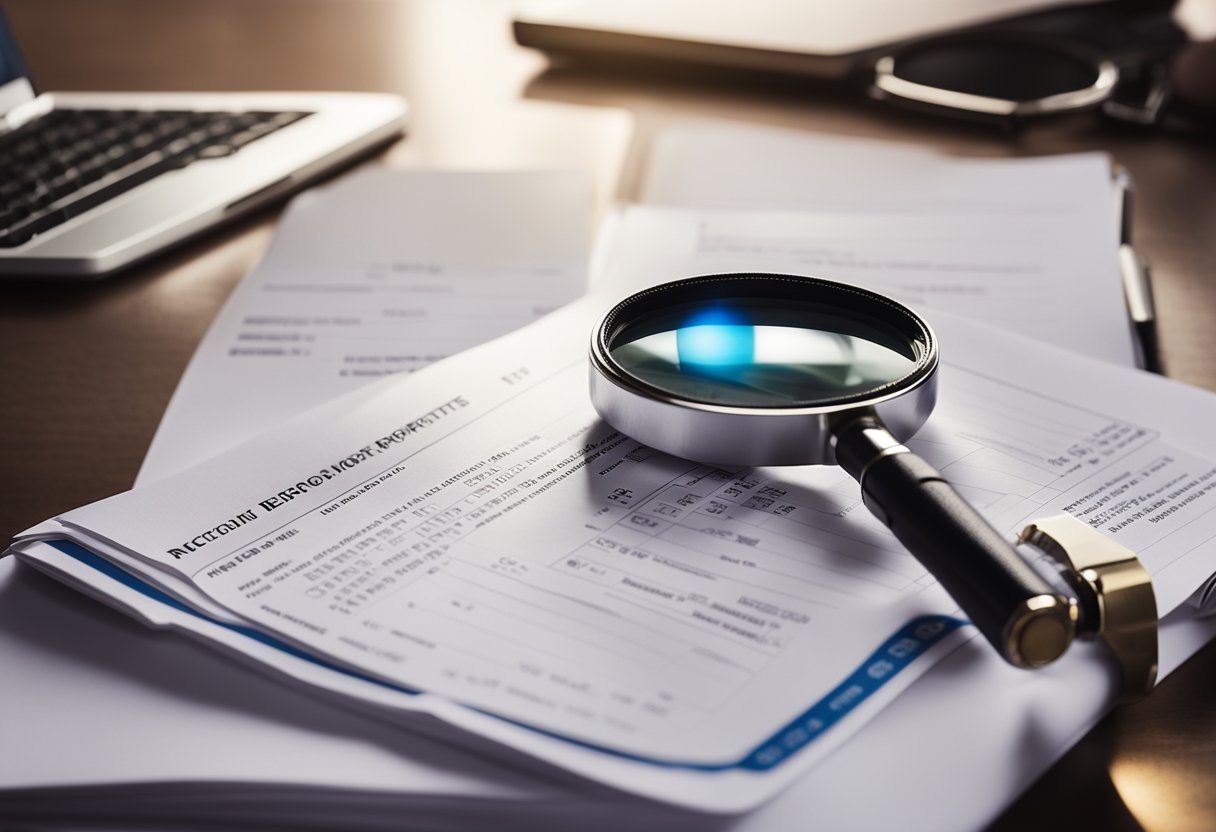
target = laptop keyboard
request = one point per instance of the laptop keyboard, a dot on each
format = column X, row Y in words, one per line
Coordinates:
column 68, row 161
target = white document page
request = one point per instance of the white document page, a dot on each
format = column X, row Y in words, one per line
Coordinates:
column 671, row 606
column 1029, row 244
column 381, row 272
column 1040, row 274
column 736, row 166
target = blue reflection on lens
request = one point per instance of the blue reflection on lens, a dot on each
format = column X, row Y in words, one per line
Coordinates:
column 716, row 338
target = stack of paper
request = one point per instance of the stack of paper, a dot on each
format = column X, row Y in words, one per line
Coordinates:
column 468, row 552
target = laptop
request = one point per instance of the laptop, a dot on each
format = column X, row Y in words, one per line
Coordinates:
column 794, row 37
column 93, row 182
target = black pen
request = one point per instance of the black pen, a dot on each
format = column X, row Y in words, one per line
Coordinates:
column 1137, row 280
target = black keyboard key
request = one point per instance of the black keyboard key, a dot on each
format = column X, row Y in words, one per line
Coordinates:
column 94, row 167
column 239, row 140
column 216, row 151
column 283, row 119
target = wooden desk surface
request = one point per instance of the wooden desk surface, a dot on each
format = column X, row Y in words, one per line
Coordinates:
column 87, row 370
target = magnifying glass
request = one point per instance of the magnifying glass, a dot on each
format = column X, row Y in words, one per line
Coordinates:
column 762, row 369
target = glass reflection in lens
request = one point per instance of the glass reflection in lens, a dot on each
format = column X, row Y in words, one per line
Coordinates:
column 717, row 357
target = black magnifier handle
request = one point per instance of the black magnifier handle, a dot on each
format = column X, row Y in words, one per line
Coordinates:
column 1016, row 609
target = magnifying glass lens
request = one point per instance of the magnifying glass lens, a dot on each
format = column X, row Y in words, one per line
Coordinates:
column 752, row 352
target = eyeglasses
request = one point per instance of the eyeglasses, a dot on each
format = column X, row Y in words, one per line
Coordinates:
column 1043, row 65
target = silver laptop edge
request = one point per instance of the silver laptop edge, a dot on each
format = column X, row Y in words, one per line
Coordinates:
column 183, row 203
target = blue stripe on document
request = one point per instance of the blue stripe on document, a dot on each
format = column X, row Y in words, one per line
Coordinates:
column 907, row 644
column 124, row 577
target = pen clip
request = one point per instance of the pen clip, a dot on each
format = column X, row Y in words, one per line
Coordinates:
column 1114, row 595
column 1122, row 180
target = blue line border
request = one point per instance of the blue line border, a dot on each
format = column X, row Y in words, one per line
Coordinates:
column 895, row 654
